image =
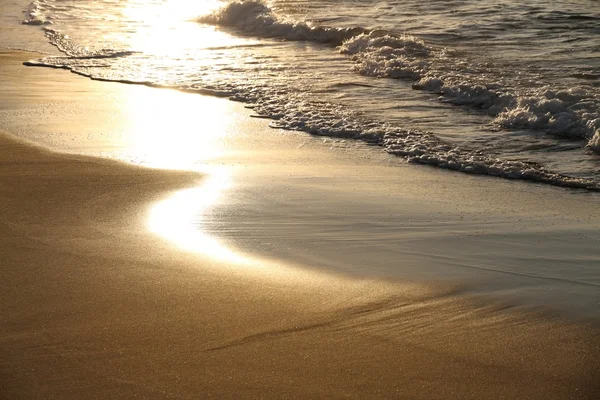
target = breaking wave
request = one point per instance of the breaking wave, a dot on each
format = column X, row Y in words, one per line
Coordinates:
column 256, row 18
column 594, row 143
column 568, row 112
column 36, row 14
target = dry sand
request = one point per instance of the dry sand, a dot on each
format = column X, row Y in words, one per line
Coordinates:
column 95, row 306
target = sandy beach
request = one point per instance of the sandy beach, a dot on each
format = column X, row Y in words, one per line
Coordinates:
column 96, row 305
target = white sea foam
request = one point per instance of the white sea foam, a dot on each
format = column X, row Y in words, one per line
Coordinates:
column 416, row 146
column 570, row 112
column 36, row 14
column 423, row 148
column 594, row 143
column 385, row 55
column 573, row 113
column 77, row 52
column 256, row 18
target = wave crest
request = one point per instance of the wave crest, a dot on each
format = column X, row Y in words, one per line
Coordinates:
column 382, row 54
column 254, row 17
column 387, row 56
column 594, row 143
column 35, row 14
column 571, row 113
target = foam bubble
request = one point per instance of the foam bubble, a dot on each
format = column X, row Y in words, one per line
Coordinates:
column 424, row 148
column 594, row 143
column 570, row 112
column 36, row 14
column 566, row 112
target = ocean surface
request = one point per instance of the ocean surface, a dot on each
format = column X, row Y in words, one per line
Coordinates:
column 504, row 88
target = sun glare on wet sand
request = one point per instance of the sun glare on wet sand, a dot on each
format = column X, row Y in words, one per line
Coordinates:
column 172, row 130
column 178, row 219
column 169, row 129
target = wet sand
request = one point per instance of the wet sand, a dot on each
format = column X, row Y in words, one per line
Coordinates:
column 94, row 305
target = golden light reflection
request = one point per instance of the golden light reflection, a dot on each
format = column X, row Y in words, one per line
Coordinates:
column 170, row 129
column 177, row 218
column 167, row 12
column 168, row 26
column 175, row 130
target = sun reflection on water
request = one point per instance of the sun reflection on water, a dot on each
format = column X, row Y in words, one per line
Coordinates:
column 178, row 217
column 170, row 129
column 175, row 130
column 167, row 27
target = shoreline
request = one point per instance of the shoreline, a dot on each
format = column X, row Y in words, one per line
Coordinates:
column 271, row 188
column 96, row 306
column 461, row 230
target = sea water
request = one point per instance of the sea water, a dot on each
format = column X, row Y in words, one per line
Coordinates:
column 504, row 88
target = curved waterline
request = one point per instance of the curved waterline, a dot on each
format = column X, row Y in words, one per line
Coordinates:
column 177, row 218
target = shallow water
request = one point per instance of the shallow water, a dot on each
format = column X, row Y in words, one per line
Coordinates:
column 313, row 86
column 504, row 88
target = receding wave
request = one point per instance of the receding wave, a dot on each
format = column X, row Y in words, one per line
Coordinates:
column 75, row 51
column 568, row 112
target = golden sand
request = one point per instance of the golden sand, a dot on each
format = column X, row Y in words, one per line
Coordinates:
column 93, row 305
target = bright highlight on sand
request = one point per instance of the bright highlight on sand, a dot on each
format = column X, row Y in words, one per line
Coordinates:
column 376, row 279
column 178, row 217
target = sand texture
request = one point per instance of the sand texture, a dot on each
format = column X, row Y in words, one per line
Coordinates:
column 95, row 306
